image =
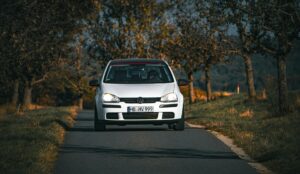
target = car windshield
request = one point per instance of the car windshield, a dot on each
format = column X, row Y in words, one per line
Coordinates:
column 138, row 73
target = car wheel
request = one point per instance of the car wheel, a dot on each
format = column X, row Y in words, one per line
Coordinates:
column 98, row 125
column 179, row 126
column 171, row 126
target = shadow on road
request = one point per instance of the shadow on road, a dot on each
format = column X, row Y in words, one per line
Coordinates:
column 121, row 128
column 81, row 129
column 84, row 119
column 90, row 129
column 157, row 153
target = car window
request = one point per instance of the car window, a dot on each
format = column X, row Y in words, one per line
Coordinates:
column 138, row 74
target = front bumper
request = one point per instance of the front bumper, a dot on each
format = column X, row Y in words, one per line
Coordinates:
column 117, row 113
column 154, row 122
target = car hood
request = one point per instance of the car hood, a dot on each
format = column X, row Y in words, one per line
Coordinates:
column 139, row 90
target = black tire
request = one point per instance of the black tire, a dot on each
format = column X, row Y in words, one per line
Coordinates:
column 98, row 125
column 179, row 126
column 171, row 126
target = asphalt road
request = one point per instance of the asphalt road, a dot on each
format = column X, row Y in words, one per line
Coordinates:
column 144, row 149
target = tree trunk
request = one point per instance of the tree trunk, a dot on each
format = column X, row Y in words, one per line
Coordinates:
column 282, row 85
column 15, row 96
column 27, row 94
column 208, row 83
column 250, row 77
column 80, row 103
column 192, row 96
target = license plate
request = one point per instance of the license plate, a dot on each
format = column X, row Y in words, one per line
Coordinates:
column 140, row 109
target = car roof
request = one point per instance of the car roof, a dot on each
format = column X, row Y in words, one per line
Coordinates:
column 136, row 61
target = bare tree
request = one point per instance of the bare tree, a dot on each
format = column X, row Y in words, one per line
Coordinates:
column 185, row 53
column 281, row 22
column 130, row 29
column 245, row 17
column 201, row 40
column 37, row 31
column 79, row 68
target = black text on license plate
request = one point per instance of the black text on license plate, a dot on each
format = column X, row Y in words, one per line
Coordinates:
column 140, row 109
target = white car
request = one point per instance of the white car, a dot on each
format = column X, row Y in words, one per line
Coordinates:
column 138, row 91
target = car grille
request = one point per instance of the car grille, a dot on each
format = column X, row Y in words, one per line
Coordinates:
column 140, row 115
column 138, row 100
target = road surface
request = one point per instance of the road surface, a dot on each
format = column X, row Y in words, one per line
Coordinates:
column 144, row 149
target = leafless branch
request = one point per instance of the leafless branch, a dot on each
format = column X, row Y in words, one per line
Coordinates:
column 45, row 76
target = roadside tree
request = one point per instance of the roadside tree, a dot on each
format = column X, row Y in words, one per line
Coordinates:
column 281, row 23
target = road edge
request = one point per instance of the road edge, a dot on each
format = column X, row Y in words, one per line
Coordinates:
column 237, row 150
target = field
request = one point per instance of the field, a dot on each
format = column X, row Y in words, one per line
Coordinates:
column 29, row 141
column 268, row 138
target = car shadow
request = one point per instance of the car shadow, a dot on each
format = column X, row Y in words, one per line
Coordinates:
column 151, row 153
column 121, row 129
column 84, row 119
column 87, row 126
column 81, row 129
column 135, row 129
column 91, row 129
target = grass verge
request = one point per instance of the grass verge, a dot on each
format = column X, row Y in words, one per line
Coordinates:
column 272, row 141
column 29, row 142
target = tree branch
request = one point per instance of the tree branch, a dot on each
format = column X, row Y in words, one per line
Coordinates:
column 268, row 50
column 34, row 82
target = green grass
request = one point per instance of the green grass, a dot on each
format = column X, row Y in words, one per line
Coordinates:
column 29, row 142
column 272, row 140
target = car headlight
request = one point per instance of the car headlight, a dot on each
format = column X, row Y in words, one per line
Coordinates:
column 171, row 97
column 110, row 98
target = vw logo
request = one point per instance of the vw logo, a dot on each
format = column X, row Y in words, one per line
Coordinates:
column 140, row 100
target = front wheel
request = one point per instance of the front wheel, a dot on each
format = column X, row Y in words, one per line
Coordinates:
column 98, row 125
column 179, row 126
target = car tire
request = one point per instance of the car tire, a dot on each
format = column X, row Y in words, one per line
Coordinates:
column 179, row 126
column 171, row 126
column 98, row 125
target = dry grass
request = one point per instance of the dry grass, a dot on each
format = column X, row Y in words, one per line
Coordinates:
column 273, row 141
column 248, row 113
column 29, row 142
column 232, row 110
column 222, row 94
column 35, row 107
column 6, row 109
column 2, row 111
column 262, row 95
column 295, row 99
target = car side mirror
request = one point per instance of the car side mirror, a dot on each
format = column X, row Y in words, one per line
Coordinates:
column 94, row 83
column 182, row 82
